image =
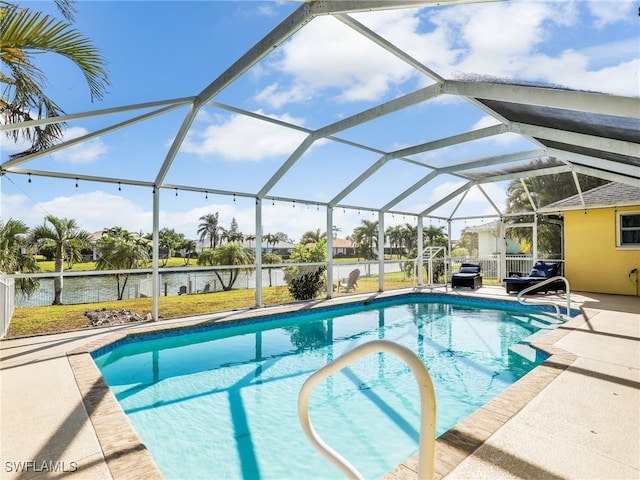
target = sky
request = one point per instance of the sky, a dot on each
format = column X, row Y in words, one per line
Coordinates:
column 325, row 72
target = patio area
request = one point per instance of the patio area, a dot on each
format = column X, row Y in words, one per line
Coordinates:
column 576, row 416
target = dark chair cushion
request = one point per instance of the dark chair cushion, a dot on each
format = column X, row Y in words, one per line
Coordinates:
column 539, row 273
column 474, row 269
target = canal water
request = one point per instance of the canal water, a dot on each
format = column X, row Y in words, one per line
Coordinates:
column 102, row 288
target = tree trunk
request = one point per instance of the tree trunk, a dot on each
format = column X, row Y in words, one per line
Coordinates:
column 58, row 282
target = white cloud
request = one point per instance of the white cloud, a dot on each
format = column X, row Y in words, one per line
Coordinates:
column 512, row 41
column 612, row 11
column 328, row 55
column 505, row 40
column 239, row 138
column 8, row 145
column 93, row 215
column 85, row 152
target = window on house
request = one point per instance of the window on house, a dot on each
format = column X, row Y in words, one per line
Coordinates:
column 629, row 229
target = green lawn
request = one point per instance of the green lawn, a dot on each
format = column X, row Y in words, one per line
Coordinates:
column 49, row 265
column 60, row 318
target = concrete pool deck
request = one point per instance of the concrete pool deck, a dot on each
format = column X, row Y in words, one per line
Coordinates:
column 577, row 416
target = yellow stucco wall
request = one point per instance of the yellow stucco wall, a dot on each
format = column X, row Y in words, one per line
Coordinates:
column 593, row 263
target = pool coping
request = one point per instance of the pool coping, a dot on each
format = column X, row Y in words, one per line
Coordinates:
column 126, row 455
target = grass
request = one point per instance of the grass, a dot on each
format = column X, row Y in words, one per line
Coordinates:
column 62, row 318
column 49, row 265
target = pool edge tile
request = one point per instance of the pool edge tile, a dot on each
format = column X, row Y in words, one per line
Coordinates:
column 125, row 454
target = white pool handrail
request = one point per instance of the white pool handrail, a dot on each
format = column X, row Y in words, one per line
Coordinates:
column 427, row 405
column 546, row 282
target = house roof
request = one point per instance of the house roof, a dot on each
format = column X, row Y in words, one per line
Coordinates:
column 342, row 243
column 485, row 227
column 611, row 194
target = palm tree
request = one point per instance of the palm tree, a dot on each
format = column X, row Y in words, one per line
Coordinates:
column 395, row 235
column 234, row 237
column 188, row 246
column 366, row 238
column 229, row 254
column 544, row 189
column 410, row 236
column 13, row 240
column 270, row 258
column 312, row 236
column 269, row 238
column 122, row 253
column 434, row 236
column 208, row 228
column 24, row 33
column 68, row 239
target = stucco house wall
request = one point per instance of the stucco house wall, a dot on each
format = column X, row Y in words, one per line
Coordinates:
column 593, row 262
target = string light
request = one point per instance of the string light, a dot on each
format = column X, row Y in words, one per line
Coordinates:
column 29, row 177
column 76, row 182
column 176, row 191
column 234, row 198
column 294, row 204
column 119, row 187
column 206, row 195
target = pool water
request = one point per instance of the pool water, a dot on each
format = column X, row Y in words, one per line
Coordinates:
column 222, row 403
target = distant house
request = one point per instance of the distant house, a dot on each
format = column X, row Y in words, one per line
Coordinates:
column 343, row 248
column 489, row 240
column 283, row 249
column 602, row 239
column 91, row 254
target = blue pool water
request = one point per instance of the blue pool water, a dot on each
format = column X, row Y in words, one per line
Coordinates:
column 222, row 402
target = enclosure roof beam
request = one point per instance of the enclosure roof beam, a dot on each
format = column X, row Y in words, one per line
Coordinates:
column 89, row 136
column 357, row 119
column 378, row 40
column 489, row 199
column 607, row 175
column 595, row 162
column 529, row 173
column 547, row 97
column 484, row 162
column 619, row 147
column 93, row 113
column 447, row 198
column 333, row 7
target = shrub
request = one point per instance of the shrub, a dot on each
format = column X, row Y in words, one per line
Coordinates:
column 307, row 286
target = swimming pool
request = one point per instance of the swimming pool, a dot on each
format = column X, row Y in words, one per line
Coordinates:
column 222, row 402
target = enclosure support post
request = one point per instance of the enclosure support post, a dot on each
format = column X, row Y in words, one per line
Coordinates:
column 258, row 293
column 329, row 252
column 380, row 251
column 155, row 285
column 502, row 270
column 420, row 243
